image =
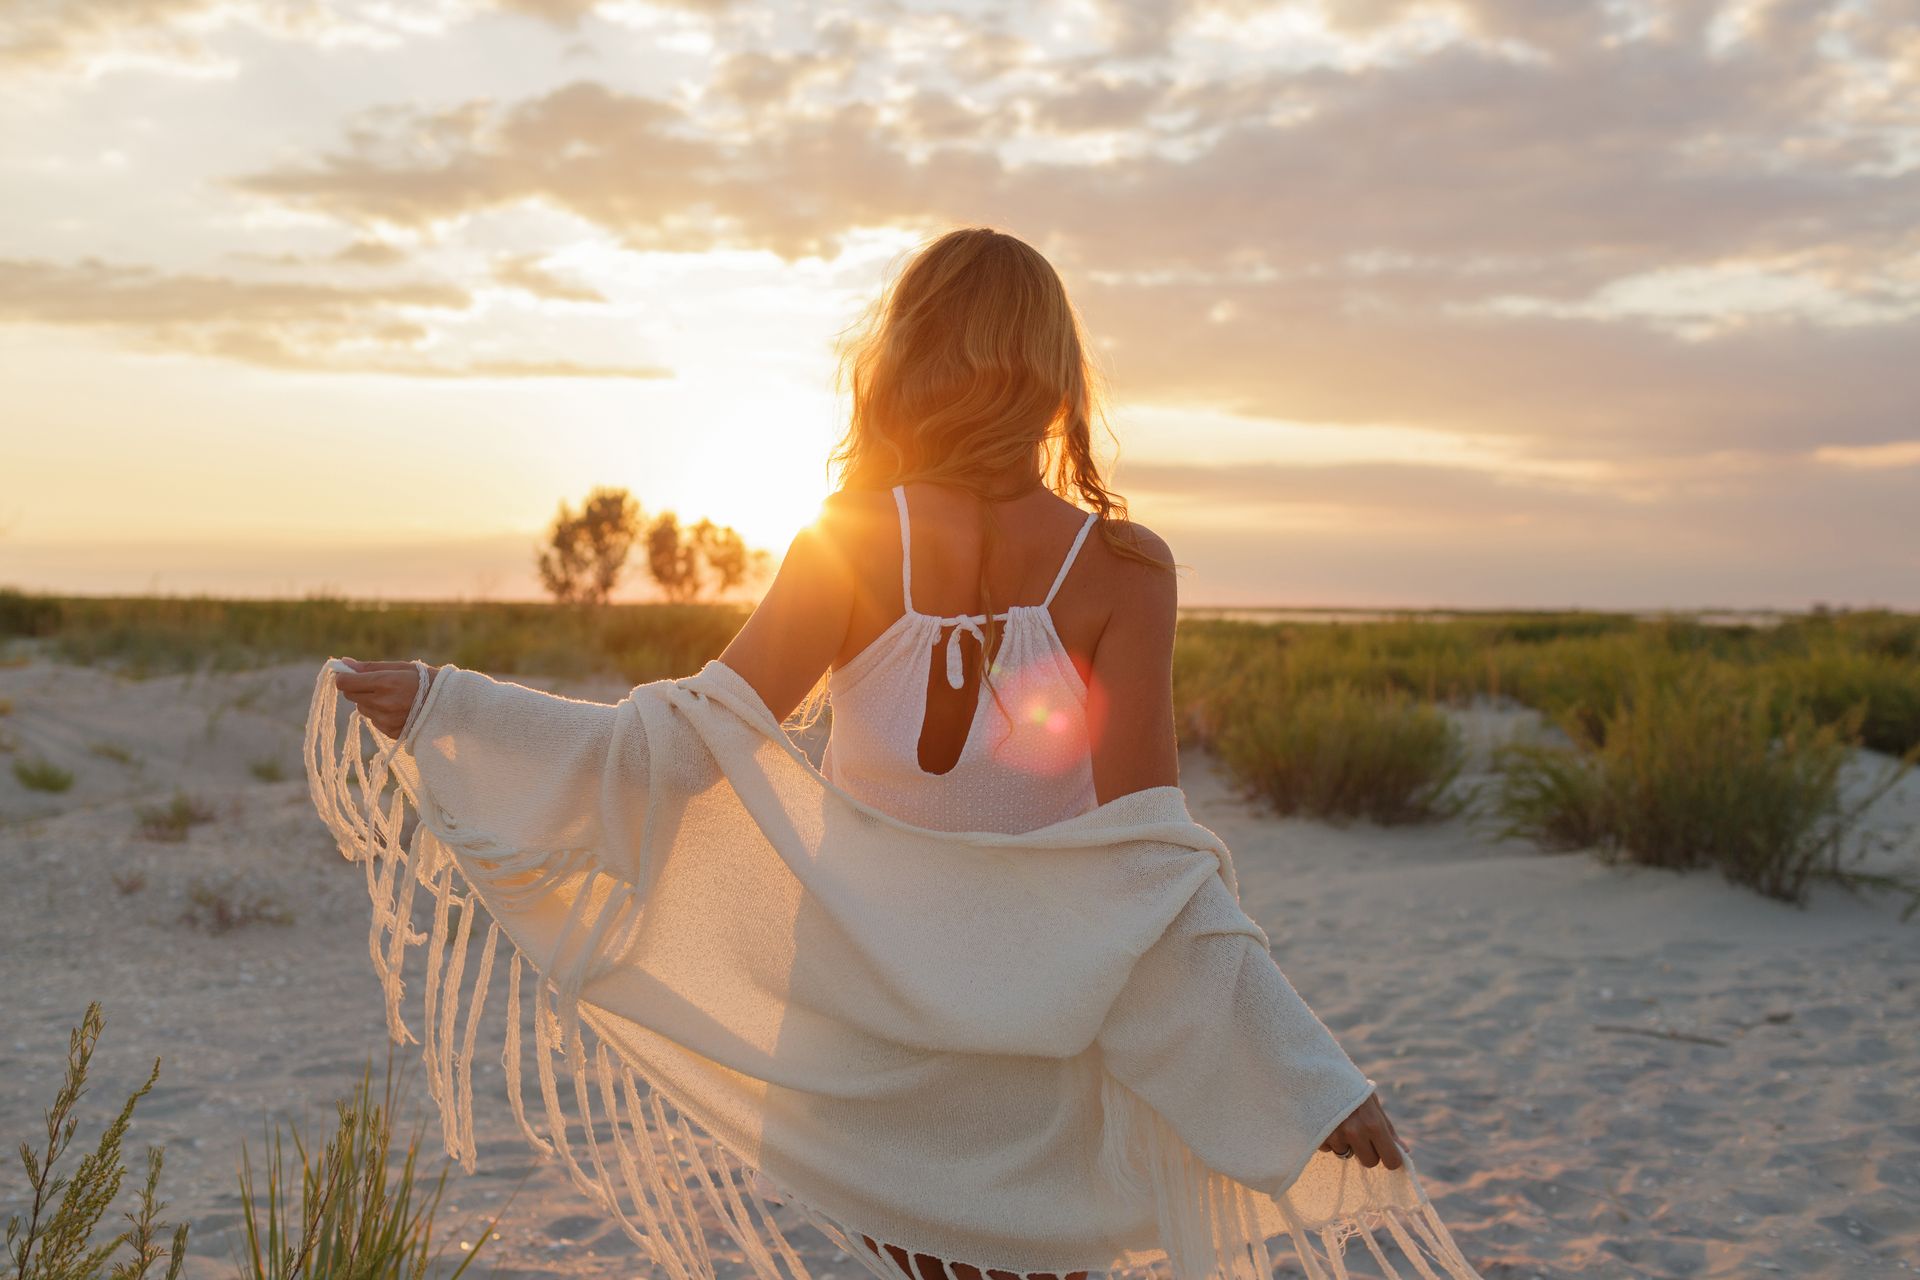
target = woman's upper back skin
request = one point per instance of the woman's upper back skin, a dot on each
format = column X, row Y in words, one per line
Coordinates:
column 839, row 589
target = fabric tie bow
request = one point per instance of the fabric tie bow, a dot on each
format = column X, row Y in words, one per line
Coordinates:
column 956, row 676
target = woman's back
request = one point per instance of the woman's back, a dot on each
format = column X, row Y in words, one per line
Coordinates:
column 1099, row 654
column 916, row 731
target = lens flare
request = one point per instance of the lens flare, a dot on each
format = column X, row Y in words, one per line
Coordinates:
column 1044, row 732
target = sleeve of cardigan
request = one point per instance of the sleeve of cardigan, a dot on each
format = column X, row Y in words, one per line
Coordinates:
column 1209, row 1032
column 512, row 770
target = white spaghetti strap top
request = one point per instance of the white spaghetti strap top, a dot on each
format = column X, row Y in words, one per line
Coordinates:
column 1027, row 760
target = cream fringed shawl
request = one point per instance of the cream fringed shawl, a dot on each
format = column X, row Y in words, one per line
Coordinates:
column 1063, row 1050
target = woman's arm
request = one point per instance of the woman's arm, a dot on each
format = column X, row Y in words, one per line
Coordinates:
column 1131, row 689
column 790, row 639
column 800, row 624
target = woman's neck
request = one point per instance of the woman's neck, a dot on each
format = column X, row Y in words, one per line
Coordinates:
column 1014, row 482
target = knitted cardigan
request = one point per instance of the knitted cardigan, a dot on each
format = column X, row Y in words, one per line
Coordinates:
column 1067, row 1049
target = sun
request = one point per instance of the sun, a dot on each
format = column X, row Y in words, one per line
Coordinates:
column 760, row 468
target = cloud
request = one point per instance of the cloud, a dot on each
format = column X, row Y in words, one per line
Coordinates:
column 185, row 36
column 568, row 13
column 632, row 165
column 371, row 328
column 54, row 35
column 524, row 271
column 1563, row 251
column 1598, row 230
column 371, row 253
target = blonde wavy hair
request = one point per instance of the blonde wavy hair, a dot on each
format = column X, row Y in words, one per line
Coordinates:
column 971, row 369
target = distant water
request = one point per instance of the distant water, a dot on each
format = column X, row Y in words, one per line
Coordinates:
column 1706, row 617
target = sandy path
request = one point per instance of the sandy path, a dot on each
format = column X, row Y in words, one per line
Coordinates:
column 1476, row 979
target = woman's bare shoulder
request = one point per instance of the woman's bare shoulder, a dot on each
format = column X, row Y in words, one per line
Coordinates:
column 1129, row 596
column 849, row 518
column 1135, row 554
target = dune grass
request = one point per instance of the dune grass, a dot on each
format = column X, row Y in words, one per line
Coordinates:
column 1340, row 752
column 1560, row 662
column 355, row 1208
column 170, row 822
column 39, row 774
column 1707, row 769
column 1311, row 740
column 1335, row 719
column 223, row 907
column 117, row 752
column 158, row 635
column 55, row 1237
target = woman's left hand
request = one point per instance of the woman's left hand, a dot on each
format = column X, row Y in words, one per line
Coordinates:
column 383, row 691
column 1367, row 1135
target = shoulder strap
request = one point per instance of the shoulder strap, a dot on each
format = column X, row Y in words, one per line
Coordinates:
column 906, row 547
column 1066, row 564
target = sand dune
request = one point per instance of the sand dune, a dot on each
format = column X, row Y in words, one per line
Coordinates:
column 1604, row 1071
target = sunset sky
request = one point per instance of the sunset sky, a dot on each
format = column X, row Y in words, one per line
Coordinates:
column 1492, row 302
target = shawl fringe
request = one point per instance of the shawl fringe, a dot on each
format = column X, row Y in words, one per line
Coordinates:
column 640, row 1157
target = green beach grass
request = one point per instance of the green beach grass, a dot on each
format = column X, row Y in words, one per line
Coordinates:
column 1687, row 741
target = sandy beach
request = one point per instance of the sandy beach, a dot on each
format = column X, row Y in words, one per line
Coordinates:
column 1604, row 1071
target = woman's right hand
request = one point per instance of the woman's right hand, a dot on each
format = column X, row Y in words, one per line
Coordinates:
column 1367, row 1135
column 383, row 691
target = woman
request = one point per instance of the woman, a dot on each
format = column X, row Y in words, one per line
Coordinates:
column 995, row 636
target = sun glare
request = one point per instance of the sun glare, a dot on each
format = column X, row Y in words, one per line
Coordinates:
column 761, row 468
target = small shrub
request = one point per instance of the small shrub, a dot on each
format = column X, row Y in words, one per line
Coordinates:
column 129, row 882
column 346, row 1212
column 39, row 774
column 22, row 614
column 169, row 822
column 113, row 751
column 6, row 706
column 54, row 1240
column 1831, row 682
column 267, row 769
column 1339, row 752
column 1712, row 769
column 223, row 908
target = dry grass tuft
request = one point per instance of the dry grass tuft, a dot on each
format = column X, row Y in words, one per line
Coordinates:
column 222, row 908
column 171, row 821
column 39, row 774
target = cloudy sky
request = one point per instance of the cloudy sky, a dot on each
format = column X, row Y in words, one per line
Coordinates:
column 1607, row 303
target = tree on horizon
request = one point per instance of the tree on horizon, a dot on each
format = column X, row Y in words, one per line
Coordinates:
column 585, row 553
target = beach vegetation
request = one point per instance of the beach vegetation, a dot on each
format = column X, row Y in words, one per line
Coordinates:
column 1312, row 740
column 356, row 1207
column 24, row 613
column 143, row 636
column 54, row 1237
column 41, row 774
column 1709, row 768
column 170, row 821
column 224, row 907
